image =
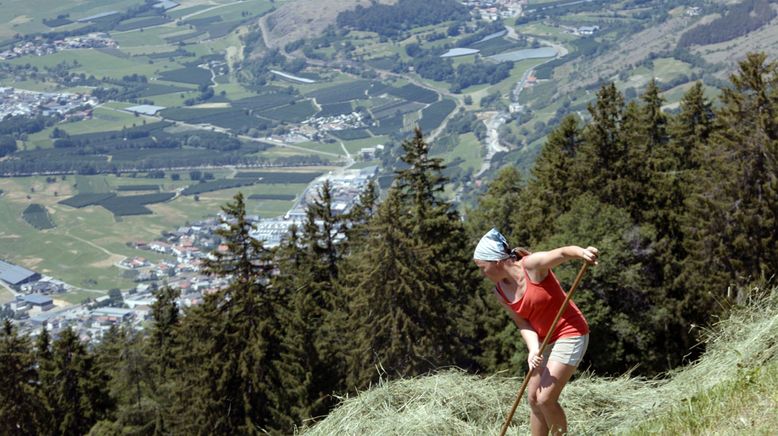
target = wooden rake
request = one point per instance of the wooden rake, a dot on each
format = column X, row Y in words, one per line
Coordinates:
column 543, row 347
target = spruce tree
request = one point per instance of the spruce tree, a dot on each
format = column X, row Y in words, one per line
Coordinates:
column 600, row 168
column 691, row 129
column 396, row 306
column 361, row 212
column 498, row 206
column 555, row 183
column 230, row 343
column 165, row 313
column 302, row 372
column 733, row 215
column 45, row 362
column 79, row 387
column 20, row 405
column 435, row 225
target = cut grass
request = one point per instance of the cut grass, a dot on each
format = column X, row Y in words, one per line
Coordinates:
column 731, row 389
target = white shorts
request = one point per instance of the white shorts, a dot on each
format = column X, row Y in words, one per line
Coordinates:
column 569, row 351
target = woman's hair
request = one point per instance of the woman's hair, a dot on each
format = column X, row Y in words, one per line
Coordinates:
column 519, row 252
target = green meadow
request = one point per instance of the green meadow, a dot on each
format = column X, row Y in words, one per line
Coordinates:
column 86, row 243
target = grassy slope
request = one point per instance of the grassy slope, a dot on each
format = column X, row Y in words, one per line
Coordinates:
column 730, row 390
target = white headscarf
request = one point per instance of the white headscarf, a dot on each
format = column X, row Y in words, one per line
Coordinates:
column 492, row 247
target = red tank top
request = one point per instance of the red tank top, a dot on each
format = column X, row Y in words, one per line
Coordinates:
column 540, row 304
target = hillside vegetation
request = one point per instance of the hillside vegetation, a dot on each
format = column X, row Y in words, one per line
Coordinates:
column 680, row 244
column 733, row 388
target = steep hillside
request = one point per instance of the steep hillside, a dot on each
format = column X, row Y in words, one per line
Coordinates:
column 731, row 389
column 305, row 18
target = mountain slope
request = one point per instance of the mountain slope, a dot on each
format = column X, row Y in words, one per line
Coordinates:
column 732, row 388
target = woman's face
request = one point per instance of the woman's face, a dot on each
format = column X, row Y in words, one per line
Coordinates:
column 491, row 269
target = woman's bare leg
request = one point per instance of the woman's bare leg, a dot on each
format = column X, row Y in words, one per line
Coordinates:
column 554, row 377
column 537, row 420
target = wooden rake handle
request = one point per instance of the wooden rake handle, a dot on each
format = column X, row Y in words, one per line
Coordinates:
column 543, row 347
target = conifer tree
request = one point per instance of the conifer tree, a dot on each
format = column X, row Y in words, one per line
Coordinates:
column 78, row 386
column 622, row 310
column 361, row 212
column 396, row 305
column 690, row 132
column 132, row 383
column 655, row 120
column 492, row 345
column 165, row 313
column 498, row 206
column 45, row 362
column 673, row 179
column 434, row 224
column 600, row 167
column 691, row 129
column 301, row 368
column 733, row 217
column 19, row 402
column 554, row 185
column 230, row 343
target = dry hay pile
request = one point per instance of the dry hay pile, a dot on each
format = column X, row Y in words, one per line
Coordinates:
column 453, row 402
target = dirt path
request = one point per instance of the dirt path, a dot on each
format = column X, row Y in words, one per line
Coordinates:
column 92, row 244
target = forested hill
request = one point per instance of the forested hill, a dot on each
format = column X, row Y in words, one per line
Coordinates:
column 683, row 208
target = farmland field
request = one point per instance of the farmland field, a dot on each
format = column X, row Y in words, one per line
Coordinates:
column 350, row 134
column 38, row 217
column 433, row 115
column 293, row 113
column 415, row 93
column 193, row 75
column 334, row 109
column 87, row 242
column 339, row 93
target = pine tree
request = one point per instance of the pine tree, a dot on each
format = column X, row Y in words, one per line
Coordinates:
column 230, row 343
column 554, row 184
column 600, row 167
column 395, row 307
column 301, row 368
column 78, row 386
column 497, row 207
column 19, row 401
column 435, row 225
column 733, row 218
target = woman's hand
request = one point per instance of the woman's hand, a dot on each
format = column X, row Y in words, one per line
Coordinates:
column 534, row 359
column 590, row 255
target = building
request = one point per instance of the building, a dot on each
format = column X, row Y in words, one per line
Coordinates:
column 16, row 275
column 112, row 314
column 37, row 300
column 588, row 30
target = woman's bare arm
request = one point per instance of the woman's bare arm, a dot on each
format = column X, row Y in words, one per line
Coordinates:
column 541, row 261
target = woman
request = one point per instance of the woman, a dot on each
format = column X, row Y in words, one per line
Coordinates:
column 525, row 285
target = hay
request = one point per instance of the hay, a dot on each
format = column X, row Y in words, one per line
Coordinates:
column 453, row 402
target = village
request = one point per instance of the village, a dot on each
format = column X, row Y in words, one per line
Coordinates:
column 37, row 298
column 19, row 102
column 41, row 47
